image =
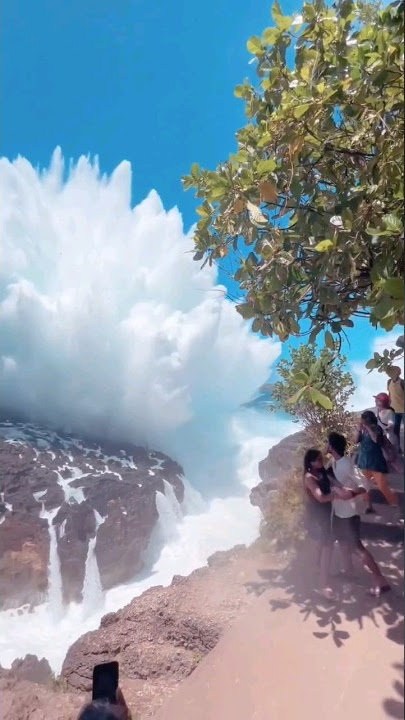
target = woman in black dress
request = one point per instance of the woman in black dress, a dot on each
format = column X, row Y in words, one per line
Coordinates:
column 319, row 496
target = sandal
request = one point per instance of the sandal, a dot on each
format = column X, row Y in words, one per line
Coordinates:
column 328, row 594
column 376, row 592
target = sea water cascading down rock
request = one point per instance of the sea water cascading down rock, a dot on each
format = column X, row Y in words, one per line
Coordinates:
column 75, row 515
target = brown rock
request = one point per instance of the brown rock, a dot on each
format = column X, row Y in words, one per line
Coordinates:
column 123, row 537
column 282, row 460
column 78, row 523
column 24, row 700
column 118, row 482
column 163, row 634
column 24, row 554
column 32, row 669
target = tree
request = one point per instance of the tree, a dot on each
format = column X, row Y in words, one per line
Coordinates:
column 309, row 209
column 315, row 391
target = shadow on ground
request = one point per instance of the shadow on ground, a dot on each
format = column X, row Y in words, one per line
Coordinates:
column 298, row 585
column 394, row 706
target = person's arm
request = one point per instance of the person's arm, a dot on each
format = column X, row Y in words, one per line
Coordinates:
column 390, row 420
column 337, row 493
column 315, row 491
column 358, row 434
column 376, row 435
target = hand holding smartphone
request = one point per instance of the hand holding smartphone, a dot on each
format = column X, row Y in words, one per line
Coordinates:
column 105, row 682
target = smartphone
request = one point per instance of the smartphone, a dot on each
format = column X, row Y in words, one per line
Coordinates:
column 105, row 682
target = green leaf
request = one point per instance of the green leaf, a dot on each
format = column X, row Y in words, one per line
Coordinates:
column 301, row 377
column 296, row 397
column 383, row 308
column 394, row 287
column 324, row 246
column 300, row 110
column 218, row 188
column 270, row 36
column 283, row 22
column 347, row 217
column 204, row 210
column 246, row 311
column 393, row 223
column 371, row 364
column 329, row 341
column 264, row 167
column 320, row 399
column 257, row 325
column 254, row 45
column 377, row 232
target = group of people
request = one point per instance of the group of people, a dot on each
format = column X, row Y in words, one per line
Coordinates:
column 337, row 496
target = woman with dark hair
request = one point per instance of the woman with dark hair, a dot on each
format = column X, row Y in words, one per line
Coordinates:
column 371, row 460
column 319, row 497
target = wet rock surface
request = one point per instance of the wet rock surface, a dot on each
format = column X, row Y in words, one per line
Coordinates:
column 79, row 487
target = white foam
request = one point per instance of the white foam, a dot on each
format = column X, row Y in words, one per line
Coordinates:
column 93, row 596
column 55, row 599
column 109, row 327
column 204, row 528
column 173, row 360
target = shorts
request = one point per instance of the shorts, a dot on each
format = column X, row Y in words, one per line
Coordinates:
column 347, row 530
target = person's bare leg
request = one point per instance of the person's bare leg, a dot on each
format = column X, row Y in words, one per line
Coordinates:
column 369, row 562
column 326, row 556
column 347, row 558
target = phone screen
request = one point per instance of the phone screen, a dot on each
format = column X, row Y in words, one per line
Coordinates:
column 105, row 682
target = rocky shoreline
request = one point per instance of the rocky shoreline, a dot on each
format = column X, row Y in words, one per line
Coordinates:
column 158, row 638
column 58, row 488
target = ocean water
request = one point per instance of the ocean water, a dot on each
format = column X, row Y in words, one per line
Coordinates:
column 109, row 328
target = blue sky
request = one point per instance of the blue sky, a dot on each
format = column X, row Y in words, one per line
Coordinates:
column 151, row 82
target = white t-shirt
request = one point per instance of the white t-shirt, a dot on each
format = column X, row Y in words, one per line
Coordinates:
column 349, row 475
column 386, row 420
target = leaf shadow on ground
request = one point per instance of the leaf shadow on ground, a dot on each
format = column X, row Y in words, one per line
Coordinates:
column 394, row 706
column 298, row 583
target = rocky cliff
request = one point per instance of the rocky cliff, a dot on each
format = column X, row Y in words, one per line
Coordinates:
column 282, row 460
column 58, row 493
column 158, row 639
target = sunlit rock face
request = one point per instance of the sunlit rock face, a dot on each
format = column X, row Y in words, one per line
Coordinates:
column 59, row 489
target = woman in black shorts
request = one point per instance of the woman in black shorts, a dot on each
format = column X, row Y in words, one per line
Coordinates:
column 319, row 497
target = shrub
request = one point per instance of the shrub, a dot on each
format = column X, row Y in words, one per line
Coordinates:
column 325, row 372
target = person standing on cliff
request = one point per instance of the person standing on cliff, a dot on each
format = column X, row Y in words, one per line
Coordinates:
column 371, row 460
column 386, row 418
column 319, row 495
column 346, row 513
column 395, row 388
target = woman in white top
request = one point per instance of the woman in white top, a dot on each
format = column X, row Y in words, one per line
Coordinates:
column 346, row 513
column 386, row 418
